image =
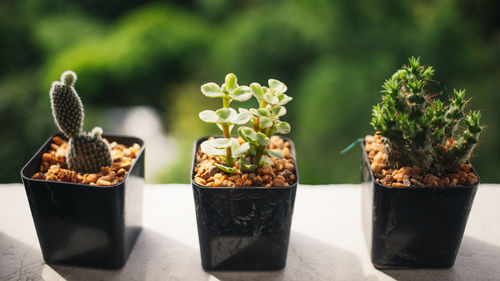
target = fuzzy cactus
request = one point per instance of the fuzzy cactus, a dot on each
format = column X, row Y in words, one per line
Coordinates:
column 67, row 107
column 418, row 128
column 87, row 152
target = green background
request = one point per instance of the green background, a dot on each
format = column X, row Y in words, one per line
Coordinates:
column 333, row 55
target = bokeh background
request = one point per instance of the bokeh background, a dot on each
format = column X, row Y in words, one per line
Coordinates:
column 140, row 65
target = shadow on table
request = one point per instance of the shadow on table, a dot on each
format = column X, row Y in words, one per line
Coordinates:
column 18, row 260
column 308, row 259
column 154, row 257
column 476, row 260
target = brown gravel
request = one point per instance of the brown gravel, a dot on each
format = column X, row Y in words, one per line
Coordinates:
column 54, row 165
column 412, row 176
column 281, row 174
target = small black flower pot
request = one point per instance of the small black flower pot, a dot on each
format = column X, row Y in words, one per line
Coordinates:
column 86, row 225
column 243, row 228
column 413, row 227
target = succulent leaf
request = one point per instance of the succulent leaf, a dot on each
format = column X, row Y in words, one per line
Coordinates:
column 231, row 81
column 208, row 116
column 241, row 118
column 224, row 115
column 274, row 153
column 265, row 122
column 212, row 90
column 282, row 127
column 241, row 93
column 240, row 150
column 211, row 150
column 277, row 86
column 226, row 169
column 257, row 90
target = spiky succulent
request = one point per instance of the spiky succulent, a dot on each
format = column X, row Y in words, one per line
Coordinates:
column 264, row 123
column 87, row 152
column 420, row 129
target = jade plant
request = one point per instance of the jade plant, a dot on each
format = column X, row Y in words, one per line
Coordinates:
column 418, row 128
column 264, row 123
column 87, row 152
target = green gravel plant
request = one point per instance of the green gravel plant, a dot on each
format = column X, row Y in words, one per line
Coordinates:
column 418, row 128
column 263, row 123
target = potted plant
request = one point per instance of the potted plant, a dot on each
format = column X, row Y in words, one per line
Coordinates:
column 244, row 188
column 419, row 183
column 85, row 193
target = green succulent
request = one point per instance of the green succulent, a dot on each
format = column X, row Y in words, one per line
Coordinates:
column 264, row 123
column 416, row 125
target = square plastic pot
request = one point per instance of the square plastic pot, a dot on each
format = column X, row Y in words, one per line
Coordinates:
column 243, row 228
column 85, row 225
column 413, row 227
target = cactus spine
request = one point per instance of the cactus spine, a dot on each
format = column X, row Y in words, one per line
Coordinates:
column 87, row 152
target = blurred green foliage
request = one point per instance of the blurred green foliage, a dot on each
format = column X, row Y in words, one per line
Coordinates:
column 333, row 55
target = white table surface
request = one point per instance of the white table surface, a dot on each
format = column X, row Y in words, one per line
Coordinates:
column 326, row 242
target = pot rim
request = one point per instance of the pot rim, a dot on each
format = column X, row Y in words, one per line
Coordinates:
column 193, row 165
column 367, row 160
column 40, row 150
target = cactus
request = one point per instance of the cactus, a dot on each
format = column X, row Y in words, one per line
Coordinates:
column 418, row 128
column 87, row 152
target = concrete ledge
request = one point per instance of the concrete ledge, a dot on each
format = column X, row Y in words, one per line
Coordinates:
column 326, row 242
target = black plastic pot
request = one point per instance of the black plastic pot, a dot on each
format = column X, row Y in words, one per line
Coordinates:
column 243, row 228
column 86, row 225
column 415, row 227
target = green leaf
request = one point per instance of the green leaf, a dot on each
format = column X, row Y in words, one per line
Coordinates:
column 241, row 93
column 265, row 122
column 220, row 142
column 254, row 112
column 224, row 115
column 243, row 110
column 257, row 90
column 209, row 149
column 262, row 139
column 282, row 127
column 283, row 99
column 226, row 169
column 231, row 81
column 245, row 165
column 252, row 150
column 208, row 116
column 270, row 99
column 279, row 111
column 265, row 160
column 240, row 150
column 212, row 90
column 241, row 118
column 277, row 86
column 248, row 134
column 263, row 112
column 274, row 153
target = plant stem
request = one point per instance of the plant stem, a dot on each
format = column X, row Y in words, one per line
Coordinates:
column 259, row 151
column 256, row 125
column 270, row 131
column 227, row 135
column 229, row 154
column 225, row 102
